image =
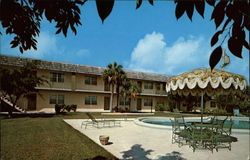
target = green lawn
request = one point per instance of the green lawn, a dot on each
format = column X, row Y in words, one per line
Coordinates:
column 38, row 137
column 46, row 138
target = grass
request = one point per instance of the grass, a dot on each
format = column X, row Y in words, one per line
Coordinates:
column 46, row 138
column 28, row 137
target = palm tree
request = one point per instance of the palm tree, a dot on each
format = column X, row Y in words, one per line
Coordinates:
column 130, row 89
column 111, row 75
column 121, row 78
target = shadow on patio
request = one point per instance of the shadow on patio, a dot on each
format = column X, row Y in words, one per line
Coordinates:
column 136, row 153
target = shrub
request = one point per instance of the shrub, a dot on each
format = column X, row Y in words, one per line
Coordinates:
column 59, row 108
column 73, row 107
column 219, row 111
column 161, row 107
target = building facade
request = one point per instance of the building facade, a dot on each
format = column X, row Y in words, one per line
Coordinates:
column 85, row 87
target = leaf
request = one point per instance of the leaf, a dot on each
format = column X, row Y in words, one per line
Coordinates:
column 215, row 38
column 230, row 11
column 246, row 44
column 73, row 28
column 225, row 24
column 59, row 30
column 190, row 9
column 200, row 7
column 246, row 22
column 138, row 4
column 210, row 2
column 151, row 2
column 180, row 9
column 219, row 13
column 215, row 57
column 104, row 8
column 21, row 49
column 14, row 44
column 235, row 47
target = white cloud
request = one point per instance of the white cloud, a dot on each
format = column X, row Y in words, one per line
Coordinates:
column 46, row 45
column 153, row 54
column 82, row 52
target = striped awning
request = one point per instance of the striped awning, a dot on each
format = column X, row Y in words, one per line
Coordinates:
column 206, row 81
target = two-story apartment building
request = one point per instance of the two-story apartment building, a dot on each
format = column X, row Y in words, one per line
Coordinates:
column 84, row 86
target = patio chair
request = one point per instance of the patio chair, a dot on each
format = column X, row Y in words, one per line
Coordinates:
column 179, row 134
column 176, row 129
column 99, row 123
column 223, row 141
column 219, row 125
column 176, row 110
column 228, row 130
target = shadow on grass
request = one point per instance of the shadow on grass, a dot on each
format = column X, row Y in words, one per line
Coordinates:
column 136, row 153
column 30, row 115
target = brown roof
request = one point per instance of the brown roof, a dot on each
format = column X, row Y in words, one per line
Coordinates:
column 67, row 67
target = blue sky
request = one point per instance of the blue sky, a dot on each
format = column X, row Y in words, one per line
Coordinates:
column 148, row 39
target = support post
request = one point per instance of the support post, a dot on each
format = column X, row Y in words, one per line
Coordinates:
column 202, row 107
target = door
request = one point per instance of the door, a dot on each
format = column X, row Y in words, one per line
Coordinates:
column 138, row 106
column 106, row 103
column 31, row 102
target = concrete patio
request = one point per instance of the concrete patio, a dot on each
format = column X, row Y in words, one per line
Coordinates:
column 131, row 141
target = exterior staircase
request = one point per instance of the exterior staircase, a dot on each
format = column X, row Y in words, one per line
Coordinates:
column 4, row 99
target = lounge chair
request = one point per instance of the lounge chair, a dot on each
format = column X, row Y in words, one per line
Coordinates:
column 99, row 123
column 176, row 110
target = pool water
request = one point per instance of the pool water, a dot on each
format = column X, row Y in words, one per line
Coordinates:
column 237, row 124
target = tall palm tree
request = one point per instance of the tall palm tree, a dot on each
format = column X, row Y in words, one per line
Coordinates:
column 121, row 78
column 111, row 75
column 131, row 89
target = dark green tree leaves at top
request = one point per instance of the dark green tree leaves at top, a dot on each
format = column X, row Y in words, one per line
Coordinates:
column 22, row 18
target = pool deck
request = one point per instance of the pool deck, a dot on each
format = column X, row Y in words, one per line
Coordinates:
column 132, row 141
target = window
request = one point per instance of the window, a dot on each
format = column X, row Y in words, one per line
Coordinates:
column 164, row 86
column 56, row 99
column 91, row 100
column 148, row 85
column 56, row 77
column 91, row 80
column 106, row 103
column 106, row 86
column 148, row 102
column 125, row 101
column 160, row 103
column 138, row 104
column 139, row 84
column 158, row 86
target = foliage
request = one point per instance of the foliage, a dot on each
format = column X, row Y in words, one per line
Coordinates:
column 121, row 78
column 60, row 108
column 22, row 18
column 130, row 88
column 112, row 75
column 16, row 83
column 161, row 107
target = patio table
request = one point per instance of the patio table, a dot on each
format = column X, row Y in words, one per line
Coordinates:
column 203, row 125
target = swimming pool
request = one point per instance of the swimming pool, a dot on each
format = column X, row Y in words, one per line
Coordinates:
column 238, row 122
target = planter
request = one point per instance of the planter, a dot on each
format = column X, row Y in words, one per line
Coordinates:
column 104, row 139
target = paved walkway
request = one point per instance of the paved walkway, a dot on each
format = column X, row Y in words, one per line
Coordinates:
column 131, row 141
